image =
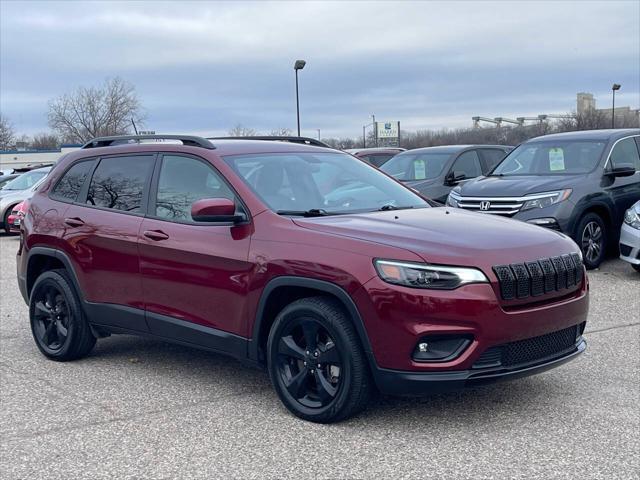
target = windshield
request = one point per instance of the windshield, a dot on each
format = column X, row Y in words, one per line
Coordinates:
column 24, row 181
column 552, row 158
column 323, row 182
column 416, row 166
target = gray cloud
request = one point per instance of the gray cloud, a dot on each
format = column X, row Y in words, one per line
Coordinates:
column 202, row 67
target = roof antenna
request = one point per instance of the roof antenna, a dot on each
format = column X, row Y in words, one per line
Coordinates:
column 134, row 126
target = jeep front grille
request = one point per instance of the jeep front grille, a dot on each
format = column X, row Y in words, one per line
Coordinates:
column 532, row 279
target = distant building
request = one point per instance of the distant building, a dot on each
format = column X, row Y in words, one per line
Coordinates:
column 587, row 102
column 22, row 157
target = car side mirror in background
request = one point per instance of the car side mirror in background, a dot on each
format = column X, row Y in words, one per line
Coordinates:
column 215, row 210
column 454, row 177
column 622, row 170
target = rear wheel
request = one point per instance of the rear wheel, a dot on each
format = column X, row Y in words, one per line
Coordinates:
column 592, row 239
column 316, row 363
column 58, row 324
column 7, row 227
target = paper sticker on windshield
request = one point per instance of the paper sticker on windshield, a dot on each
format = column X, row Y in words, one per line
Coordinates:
column 556, row 159
column 420, row 169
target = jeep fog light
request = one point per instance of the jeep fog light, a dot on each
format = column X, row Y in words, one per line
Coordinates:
column 442, row 348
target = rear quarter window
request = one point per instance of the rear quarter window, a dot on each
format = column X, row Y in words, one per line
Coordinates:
column 69, row 186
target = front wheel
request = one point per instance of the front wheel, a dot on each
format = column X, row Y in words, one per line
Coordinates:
column 316, row 362
column 592, row 239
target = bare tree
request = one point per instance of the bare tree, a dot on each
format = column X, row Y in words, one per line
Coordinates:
column 45, row 141
column 281, row 132
column 7, row 133
column 241, row 131
column 96, row 111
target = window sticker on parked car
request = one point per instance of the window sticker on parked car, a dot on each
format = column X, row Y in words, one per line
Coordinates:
column 556, row 159
column 419, row 169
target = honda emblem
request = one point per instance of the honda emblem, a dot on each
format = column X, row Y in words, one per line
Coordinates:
column 485, row 205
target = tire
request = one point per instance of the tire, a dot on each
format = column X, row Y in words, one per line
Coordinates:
column 341, row 386
column 636, row 267
column 591, row 237
column 6, row 226
column 54, row 308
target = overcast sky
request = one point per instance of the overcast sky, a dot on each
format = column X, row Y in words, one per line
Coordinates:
column 203, row 67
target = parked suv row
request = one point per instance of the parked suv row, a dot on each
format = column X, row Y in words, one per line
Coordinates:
column 578, row 183
column 305, row 260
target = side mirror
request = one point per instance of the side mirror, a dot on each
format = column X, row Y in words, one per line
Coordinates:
column 215, row 210
column 622, row 170
column 453, row 178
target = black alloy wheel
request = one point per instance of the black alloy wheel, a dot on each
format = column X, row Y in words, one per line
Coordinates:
column 316, row 362
column 58, row 323
column 51, row 318
column 309, row 363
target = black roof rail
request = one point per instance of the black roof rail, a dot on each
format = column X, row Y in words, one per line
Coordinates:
column 189, row 140
column 290, row 139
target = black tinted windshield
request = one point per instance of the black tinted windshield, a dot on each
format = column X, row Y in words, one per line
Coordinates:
column 330, row 182
column 552, row 158
column 416, row 166
column 26, row 180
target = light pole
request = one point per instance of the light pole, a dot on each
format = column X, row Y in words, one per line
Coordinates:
column 616, row 86
column 318, row 133
column 299, row 65
column 364, row 132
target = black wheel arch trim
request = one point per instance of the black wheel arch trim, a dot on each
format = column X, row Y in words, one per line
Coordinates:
column 315, row 284
column 58, row 255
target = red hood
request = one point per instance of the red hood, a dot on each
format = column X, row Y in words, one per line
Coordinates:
column 449, row 236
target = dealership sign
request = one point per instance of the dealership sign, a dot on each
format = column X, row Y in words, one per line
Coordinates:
column 390, row 130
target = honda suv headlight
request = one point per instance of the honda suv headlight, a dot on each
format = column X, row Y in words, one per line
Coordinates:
column 453, row 198
column 632, row 218
column 546, row 199
column 422, row 275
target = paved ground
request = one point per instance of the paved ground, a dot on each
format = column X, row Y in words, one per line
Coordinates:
column 147, row 409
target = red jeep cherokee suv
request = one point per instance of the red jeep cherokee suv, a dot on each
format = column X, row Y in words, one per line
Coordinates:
column 303, row 259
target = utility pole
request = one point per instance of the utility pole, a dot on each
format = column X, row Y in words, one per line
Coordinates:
column 616, row 86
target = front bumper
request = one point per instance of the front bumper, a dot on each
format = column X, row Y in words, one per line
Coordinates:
column 630, row 244
column 397, row 382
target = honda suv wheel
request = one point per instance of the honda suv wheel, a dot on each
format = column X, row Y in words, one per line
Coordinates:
column 592, row 239
column 316, row 363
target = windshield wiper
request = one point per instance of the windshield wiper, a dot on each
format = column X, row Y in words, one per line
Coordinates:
column 313, row 212
column 390, row 206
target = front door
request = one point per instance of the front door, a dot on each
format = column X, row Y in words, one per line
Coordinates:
column 194, row 275
column 624, row 191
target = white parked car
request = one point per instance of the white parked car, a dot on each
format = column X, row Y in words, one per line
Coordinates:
column 630, row 236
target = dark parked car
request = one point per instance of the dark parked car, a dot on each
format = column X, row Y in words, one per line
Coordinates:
column 579, row 183
column 233, row 247
column 376, row 156
column 434, row 171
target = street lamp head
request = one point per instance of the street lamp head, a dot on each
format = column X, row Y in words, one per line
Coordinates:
column 616, row 86
column 299, row 65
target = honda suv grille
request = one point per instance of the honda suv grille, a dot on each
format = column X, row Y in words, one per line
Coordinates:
column 532, row 279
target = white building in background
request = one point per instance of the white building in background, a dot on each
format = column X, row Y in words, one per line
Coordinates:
column 20, row 158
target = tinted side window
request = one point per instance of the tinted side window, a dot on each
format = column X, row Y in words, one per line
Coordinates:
column 184, row 180
column 490, row 158
column 119, row 183
column 467, row 163
column 625, row 152
column 377, row 160
column 71, row 182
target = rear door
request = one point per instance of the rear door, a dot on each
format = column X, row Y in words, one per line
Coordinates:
column 194, row 275
column 101, row 237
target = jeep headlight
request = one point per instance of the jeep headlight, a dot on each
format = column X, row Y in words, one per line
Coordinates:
column 423, row 275
column 542, row 200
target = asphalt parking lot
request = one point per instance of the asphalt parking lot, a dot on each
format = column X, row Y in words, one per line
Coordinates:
column 139, row 408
